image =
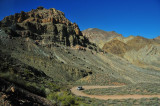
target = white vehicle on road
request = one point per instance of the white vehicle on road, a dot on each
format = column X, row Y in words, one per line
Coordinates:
column 79, row 88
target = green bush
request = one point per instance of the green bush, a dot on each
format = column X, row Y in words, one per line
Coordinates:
column 63, row 98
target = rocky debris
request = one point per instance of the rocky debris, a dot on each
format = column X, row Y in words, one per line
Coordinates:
column 42, row 24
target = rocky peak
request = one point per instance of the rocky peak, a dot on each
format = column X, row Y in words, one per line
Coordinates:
column 40, row 15
column 50, row 25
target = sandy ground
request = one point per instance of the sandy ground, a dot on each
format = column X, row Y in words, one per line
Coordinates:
column 106, row 97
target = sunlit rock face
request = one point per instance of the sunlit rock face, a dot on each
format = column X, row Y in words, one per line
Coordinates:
column 44, row 24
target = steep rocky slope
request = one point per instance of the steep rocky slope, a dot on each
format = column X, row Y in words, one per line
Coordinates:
column 98, row 36
column 29, row 39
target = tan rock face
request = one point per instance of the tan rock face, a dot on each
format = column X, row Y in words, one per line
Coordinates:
column 40, row 23
column 100, row 37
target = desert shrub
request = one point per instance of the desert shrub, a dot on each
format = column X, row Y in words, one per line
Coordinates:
column 52, row 96
column 33, row 87
column 65, row 99
column 54, row 87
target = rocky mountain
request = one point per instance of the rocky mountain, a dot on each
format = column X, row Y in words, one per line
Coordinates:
column 43, row 55
column 99, row 36
column 44, row 26
column 126, row 44
column 138, row 50
column 34, row 65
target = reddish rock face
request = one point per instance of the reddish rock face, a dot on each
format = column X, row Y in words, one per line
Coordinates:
column 39, row 23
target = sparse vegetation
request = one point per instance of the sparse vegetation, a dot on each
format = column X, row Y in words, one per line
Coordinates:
column 36, row 83
column 141, row 89
column 124, row 102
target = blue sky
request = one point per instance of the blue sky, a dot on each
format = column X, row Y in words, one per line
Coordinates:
column 127, row 17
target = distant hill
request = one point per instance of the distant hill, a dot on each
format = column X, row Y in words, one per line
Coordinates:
column 158, row 38
column 99, row 36
column 138, row 50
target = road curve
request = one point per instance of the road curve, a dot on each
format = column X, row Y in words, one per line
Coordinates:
column 106, row 97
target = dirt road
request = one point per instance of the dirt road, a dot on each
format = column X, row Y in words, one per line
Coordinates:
column 106, row 97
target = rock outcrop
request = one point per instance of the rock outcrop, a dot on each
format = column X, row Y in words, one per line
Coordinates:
column 42, row 24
